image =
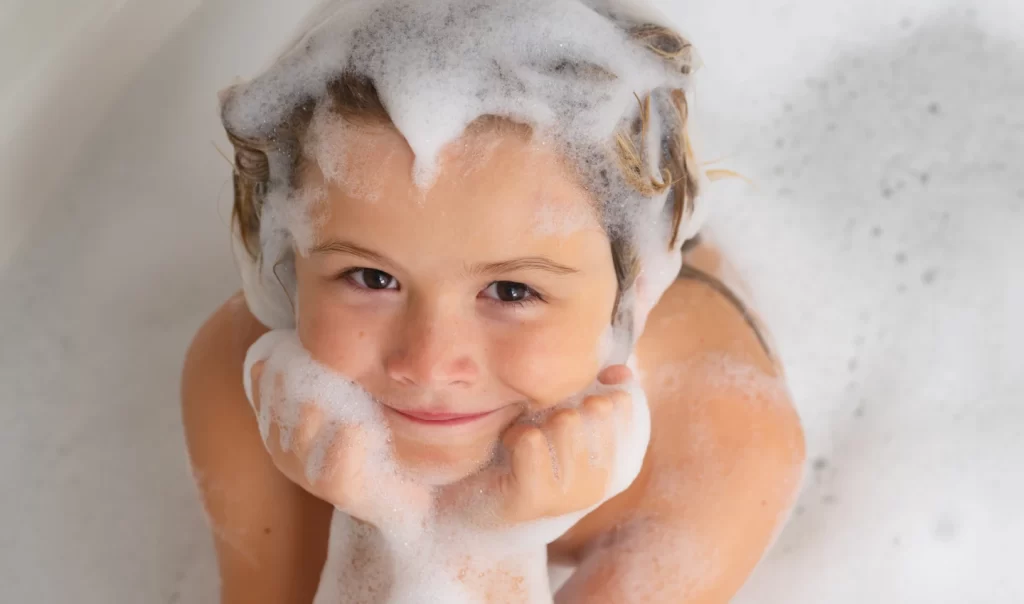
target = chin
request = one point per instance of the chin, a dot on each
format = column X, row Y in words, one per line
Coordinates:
column 442, row 465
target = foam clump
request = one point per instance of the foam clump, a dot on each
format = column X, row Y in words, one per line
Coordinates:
column 405, row 548
column 576, row 71
column 561, row 65
column 579, row 72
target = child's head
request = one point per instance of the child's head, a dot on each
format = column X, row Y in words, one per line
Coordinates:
column 465, row 256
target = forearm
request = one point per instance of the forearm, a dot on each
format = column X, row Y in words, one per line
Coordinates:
column 520, row 579
column 438, row 565
column 655, row 564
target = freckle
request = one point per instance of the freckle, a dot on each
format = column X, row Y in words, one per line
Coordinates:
column 266, row 531
column 362, row 333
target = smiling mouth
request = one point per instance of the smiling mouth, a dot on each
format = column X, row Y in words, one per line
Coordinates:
column 442, row 419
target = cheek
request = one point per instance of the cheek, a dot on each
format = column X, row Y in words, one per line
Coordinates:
column 550, row 363
column 337, row 336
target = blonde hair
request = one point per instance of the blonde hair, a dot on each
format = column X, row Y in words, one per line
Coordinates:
column 355, row 99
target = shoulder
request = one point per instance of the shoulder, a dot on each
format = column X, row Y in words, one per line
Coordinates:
column 711, row 377
column 214, row 405
column 270, row 535
column 727, row 446
column 218, row 348
column 705, row 312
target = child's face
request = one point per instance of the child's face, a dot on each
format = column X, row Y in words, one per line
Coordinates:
column 419, row 318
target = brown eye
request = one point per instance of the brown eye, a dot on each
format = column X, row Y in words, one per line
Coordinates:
column 371, row 278
column 511, row 292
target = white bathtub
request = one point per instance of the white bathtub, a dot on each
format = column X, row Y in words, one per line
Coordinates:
column 882, row 238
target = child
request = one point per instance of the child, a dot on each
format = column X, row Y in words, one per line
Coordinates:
column 468, row 217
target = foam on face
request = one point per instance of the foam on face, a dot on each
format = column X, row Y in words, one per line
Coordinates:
column 412, row 550
column 568, row 68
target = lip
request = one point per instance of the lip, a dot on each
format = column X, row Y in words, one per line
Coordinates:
column 442, row 419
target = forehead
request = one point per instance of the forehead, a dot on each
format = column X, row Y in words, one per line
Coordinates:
column 486, row 182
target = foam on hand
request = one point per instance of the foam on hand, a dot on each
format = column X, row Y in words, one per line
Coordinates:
column 573, row 70
column 409, row 549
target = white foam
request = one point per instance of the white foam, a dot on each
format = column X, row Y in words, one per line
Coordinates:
column 568, row 68
column 413, row 553
column 554, row 219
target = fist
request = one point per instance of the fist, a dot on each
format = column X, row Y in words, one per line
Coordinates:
column 335, row 449
column 568, row 463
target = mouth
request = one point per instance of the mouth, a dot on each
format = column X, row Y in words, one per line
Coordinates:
column 442, row 419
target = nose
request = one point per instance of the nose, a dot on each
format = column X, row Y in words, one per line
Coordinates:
column 432, row 349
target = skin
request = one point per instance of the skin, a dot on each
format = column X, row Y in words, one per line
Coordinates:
column 726, row 449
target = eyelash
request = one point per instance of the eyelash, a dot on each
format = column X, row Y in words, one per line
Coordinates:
column 533, row 298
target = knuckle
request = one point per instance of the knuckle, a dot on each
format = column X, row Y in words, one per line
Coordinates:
column 565, row 420
column 532, row 439
column 621, row 398
column 599, row 405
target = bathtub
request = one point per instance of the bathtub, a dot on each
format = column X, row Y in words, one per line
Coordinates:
column 880, row 236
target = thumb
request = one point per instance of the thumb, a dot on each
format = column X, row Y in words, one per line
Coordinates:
column 252, row 384
column 614, row 375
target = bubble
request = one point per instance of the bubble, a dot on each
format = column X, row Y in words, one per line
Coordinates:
column 410, row 552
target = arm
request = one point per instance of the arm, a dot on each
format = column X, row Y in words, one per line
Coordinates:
column 722, row 470
column 270, row 535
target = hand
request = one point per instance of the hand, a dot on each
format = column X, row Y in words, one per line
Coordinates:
column 343, row 463
column 564, row 465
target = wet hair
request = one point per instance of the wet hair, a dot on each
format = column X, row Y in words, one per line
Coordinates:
column 355, row 99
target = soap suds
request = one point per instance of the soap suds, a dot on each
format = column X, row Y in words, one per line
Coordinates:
column 571, row 70
column 419, row 548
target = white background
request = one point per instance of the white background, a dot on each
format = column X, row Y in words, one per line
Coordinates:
column 883, row 236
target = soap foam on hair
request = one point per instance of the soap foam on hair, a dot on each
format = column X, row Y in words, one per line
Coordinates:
column 567, row 68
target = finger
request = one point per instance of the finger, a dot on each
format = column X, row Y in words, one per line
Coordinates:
column 254, row 376
column 622, row 402
column 287, row 463
column 341, row 474
column 305, row 433
column 565, row 434
column 598, row 413
column 615, row 374
column 532, row 473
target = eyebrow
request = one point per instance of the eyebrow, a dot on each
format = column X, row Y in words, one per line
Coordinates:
column 336, row 246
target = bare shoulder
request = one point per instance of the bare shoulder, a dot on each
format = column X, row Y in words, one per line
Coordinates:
column 270, row 535
column 727, row 449
column 711, row 377
column 703, row 313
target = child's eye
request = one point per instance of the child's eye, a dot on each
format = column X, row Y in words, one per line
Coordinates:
column 369, row 278
column 511, row 292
